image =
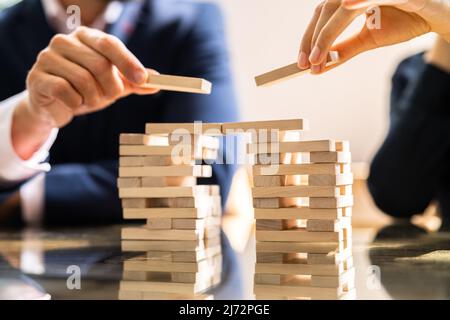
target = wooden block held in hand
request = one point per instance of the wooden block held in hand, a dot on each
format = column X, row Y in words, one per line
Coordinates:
column 289, row 71
column 177, row 83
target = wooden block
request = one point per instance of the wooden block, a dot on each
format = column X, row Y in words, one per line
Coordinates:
column 177, row 83
column 335, row 202
column 268, row 181
column 298, row 247
column 164, row 192
column 136, row 233
column 281, row 125
column 274, row 257
column 131, row 138
column 289, row 72
column 266, row 203
column 294, row 191
column 142, row 264
column 263, row 224
column 195, row 256
column 299, row 213
column 330, row 180
column 200, row 141
column 174, row 213
column 164, row 287
column 300, row 169
column 186, row 202
column 276, row 279
column 150, row 161
column 296, row 290
column 198, row 128
column 166, row 171
column 194, row 224
column 292, row 147
column 134, row 203
column 159, row 224
column 330, row 157
column 152, row 182
column 299, row 269
column 347, row 277
column 129, row 182
column 165, row 256
column 181, row 152
column 328, row 225
column 299, row 235
column 162, row 245
column 131, row 161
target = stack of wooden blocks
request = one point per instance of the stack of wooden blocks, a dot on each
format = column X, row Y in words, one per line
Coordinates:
column 177, row 252
column 302, row 202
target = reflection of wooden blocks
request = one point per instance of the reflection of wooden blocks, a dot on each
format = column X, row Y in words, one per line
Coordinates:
column 300, row 169
column 198, row 128
column 330, row 157
column 281, row 125
column 138, row 295
column 302, row 213
column 289, row 72
column 177, row 83
column 263, row 224
column 166, row 171
column 136, row 233
column 299, row 235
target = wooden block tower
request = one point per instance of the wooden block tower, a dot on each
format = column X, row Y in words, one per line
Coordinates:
column 302, row 199
column 177, row 253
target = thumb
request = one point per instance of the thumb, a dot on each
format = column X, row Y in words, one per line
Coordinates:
column 408, row 5
column 352, row 47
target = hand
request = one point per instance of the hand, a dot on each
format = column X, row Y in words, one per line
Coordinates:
column 401, row 20
column 79, row 73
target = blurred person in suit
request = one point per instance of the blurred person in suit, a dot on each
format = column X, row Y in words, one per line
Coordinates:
column 412, row 167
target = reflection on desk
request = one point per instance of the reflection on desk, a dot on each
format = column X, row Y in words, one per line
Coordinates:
column 400, row 262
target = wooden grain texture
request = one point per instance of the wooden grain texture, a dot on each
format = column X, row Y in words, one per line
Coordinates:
column 330, row 157
column 295, row 191
column 164, row 192
column 288, row 72
column 300, row 169
column 292, row 147
column 330, row 179
column 298, row 247
column 175, row 213
column 136, row 233
column 298, row 213
column 299, row 235
column 275, row 224
column 198, row 128
column 281, row 125
column 167, row 171
column 335, row 202
column 178, row 83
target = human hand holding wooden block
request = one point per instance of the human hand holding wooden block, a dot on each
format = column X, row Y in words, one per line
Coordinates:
column 177, row 83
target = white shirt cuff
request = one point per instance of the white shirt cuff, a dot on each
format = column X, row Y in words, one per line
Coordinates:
column 12, row 168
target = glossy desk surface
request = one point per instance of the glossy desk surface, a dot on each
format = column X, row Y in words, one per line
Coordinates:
column 33, row 264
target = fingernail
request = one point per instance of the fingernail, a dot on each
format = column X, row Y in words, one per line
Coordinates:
column 315, row 68
column 315, row 55
column 303, row 60
column 140, row 76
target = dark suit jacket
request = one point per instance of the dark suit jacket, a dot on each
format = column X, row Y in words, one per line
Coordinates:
column 172, row 36
column 412, row 167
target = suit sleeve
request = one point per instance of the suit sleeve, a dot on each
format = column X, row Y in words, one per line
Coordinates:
column 82, row 194
column 408, row 170
column 204, row 54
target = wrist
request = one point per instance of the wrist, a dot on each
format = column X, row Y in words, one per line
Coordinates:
column 439, row 55
column 29, row 129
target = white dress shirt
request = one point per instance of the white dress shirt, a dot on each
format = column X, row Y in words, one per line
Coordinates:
column 13, row 169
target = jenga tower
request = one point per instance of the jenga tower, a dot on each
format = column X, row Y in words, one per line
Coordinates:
column 302, row 203
column 178, row 252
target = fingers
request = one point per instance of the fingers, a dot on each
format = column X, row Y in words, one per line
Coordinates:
column 328, row 34
column 136, row 89
column 79, row 78
column 328, row 10
column 60, row 89
column 101, row 68
column 352, row 46
column 115, row 51
column 305, row 46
